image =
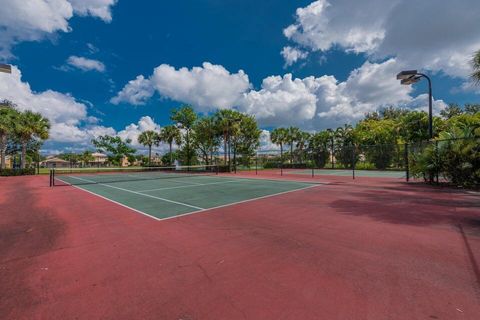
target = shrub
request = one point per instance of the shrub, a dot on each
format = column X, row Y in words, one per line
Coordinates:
column 17, row 172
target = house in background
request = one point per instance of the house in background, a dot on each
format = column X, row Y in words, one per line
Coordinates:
column 8, row 162
column 53, row 162
column 98, row 159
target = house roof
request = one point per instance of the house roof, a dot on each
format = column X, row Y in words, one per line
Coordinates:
column 98, row 155
column 56, row 160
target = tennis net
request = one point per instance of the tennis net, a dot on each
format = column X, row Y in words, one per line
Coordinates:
column 82, row 176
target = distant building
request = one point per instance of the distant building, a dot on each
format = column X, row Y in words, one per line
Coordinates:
column 8, row 162
column 52, row 162
column 124, row 162
column 99, row 158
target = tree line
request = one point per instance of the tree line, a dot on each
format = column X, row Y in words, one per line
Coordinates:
column 383, row 129
column 21, row 132
column 385, row 138
column 196, row 136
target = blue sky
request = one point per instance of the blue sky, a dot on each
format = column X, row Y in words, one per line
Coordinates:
column 314, row 64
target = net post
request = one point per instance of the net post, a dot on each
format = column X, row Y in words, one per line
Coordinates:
column 53, row 177
column 353, row 163
column 407, row 169
column 256, row 164
column 50, row 176
column 312, row 163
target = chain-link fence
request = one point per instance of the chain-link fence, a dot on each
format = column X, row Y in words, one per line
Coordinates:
column 454, row 161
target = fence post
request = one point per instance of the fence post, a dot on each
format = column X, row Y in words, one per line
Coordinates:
column 407, row 168
column 437, row 161
column 312, row 163
column 353, row 161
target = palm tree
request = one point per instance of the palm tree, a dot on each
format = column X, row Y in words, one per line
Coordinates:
column 302, row 141
column 171, row 134
column 185, row 118
column 476, row 67
column 344, row 139
column 7, row 120
column 292, row 136
column 279, row 136
column 86, row 157
column 227, row 124
column 149, row 138
column 30, row 125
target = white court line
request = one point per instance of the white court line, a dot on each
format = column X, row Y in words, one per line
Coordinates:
column 116, row 202
column 141, row 194
column 239, row 202
column 196, row 211
column 191, row 186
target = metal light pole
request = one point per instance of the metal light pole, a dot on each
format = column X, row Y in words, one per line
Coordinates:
column 409, row 77
column 6, row 68
column 331, row 148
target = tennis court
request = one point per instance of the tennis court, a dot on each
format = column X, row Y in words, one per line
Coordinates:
column 348, row 172
column 168, row 193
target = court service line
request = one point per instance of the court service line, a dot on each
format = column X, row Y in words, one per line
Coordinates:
column 142, row 194
column 116, row 202
column 239, row 202
column 190, row 186
column 166, row 178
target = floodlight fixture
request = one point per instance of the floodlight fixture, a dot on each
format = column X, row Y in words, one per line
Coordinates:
column 410, row 80
column 6, row 68
column 406, row 74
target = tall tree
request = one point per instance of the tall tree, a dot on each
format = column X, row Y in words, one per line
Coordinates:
column 8, row 114
column 247, row 138
column 185, row 118
column 149, row 138
column 377, row 139
column 171, row 134
column 279, row 136
column 115, row 147
column 318, row 147
column 345, row 145
column 205, row 138
column 472, row 108
column 292, row 136
column 302, row 142
column 30, row 126
column 86, row 157
column 476, row 67
column 227, row 125
column 451, row 110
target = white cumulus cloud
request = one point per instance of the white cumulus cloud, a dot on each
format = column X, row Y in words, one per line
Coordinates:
column 135, row 92
column 69, row 118
column 292, row 55
column 436, row 35
column 312, row 103
column 34, row 20
column 207, row 87
column 96, row 8
column 86, row 64
column 133, row 130
column 282, row 101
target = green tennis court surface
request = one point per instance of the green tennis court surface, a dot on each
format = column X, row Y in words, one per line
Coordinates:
column 346, row 172
column 171, row 197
